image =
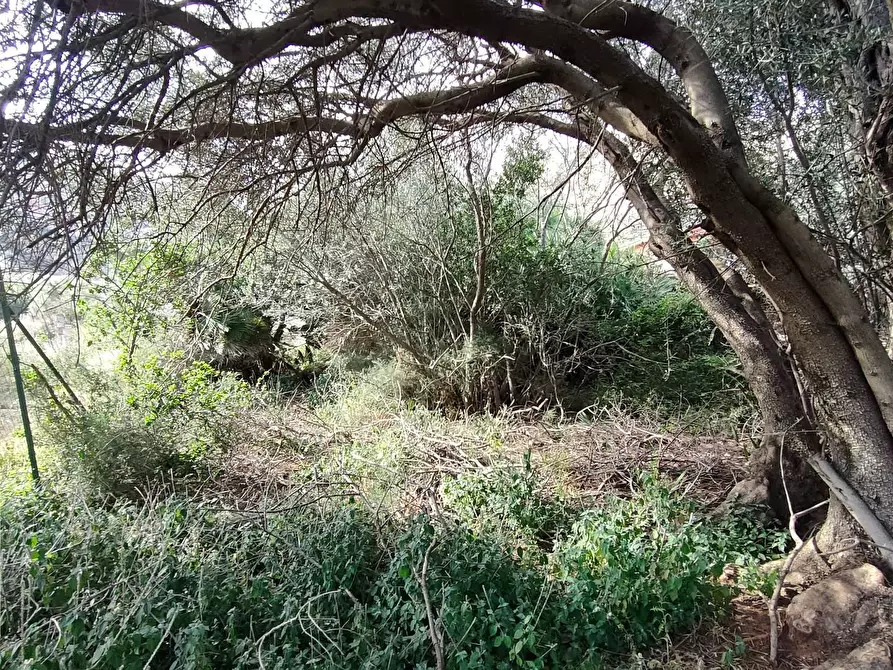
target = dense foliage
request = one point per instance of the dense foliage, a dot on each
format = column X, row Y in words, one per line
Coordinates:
column 145, row 424
column 561, row 317
column 564, row 317
column 192, row 359
column 179, row 584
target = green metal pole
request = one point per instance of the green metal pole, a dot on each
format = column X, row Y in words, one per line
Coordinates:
column 17, row 374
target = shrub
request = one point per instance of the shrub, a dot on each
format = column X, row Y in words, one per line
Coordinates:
column 151, row 421
column 183, row 392
column 176, row 584
column 508, row 502
column 680, row 357
column 564, row 319
column 644, row 566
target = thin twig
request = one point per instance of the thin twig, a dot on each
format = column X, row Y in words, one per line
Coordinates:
column 789, row 561
column 260, row 642
column 433, row 624
column 167, row 631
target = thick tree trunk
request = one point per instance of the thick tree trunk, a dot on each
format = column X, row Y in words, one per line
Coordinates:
column 847, row 369
column 676, row 44
column 844, row 364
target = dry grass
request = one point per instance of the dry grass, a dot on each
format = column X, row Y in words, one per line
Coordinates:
column 746, row 621
column 414, row 449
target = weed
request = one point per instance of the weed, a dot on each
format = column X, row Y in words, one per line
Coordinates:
column 156, row 420
column 177, row 584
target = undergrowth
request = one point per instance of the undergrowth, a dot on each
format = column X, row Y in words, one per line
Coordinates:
column 398, row 529
column 161, row 417
column 516, row 577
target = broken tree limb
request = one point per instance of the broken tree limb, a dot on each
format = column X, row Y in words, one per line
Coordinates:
column 433, row 621
column 854, row 504
column 52, row 393
column 46, row 359
column 783, row 573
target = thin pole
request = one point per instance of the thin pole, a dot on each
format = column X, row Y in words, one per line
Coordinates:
column 48, row 362
column 17, row 375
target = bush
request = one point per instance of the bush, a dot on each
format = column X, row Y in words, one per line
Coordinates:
column 564, row 319
column 175, row 584
column 507, row 502
column 152, row 421
column 681, row 360
column 644, row 565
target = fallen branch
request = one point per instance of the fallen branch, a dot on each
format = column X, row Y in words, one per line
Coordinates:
column 433, row 624
column 13, row 355
column 49, row 389
column 49, row 363
column 297, row 617
column 785, row 570
column 854, row 504
column 789, row 561
column 260, row 641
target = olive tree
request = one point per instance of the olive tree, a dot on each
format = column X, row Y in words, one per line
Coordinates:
column 290, row 108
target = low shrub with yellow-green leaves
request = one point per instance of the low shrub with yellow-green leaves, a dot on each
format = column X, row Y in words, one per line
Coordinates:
column 156, row 419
